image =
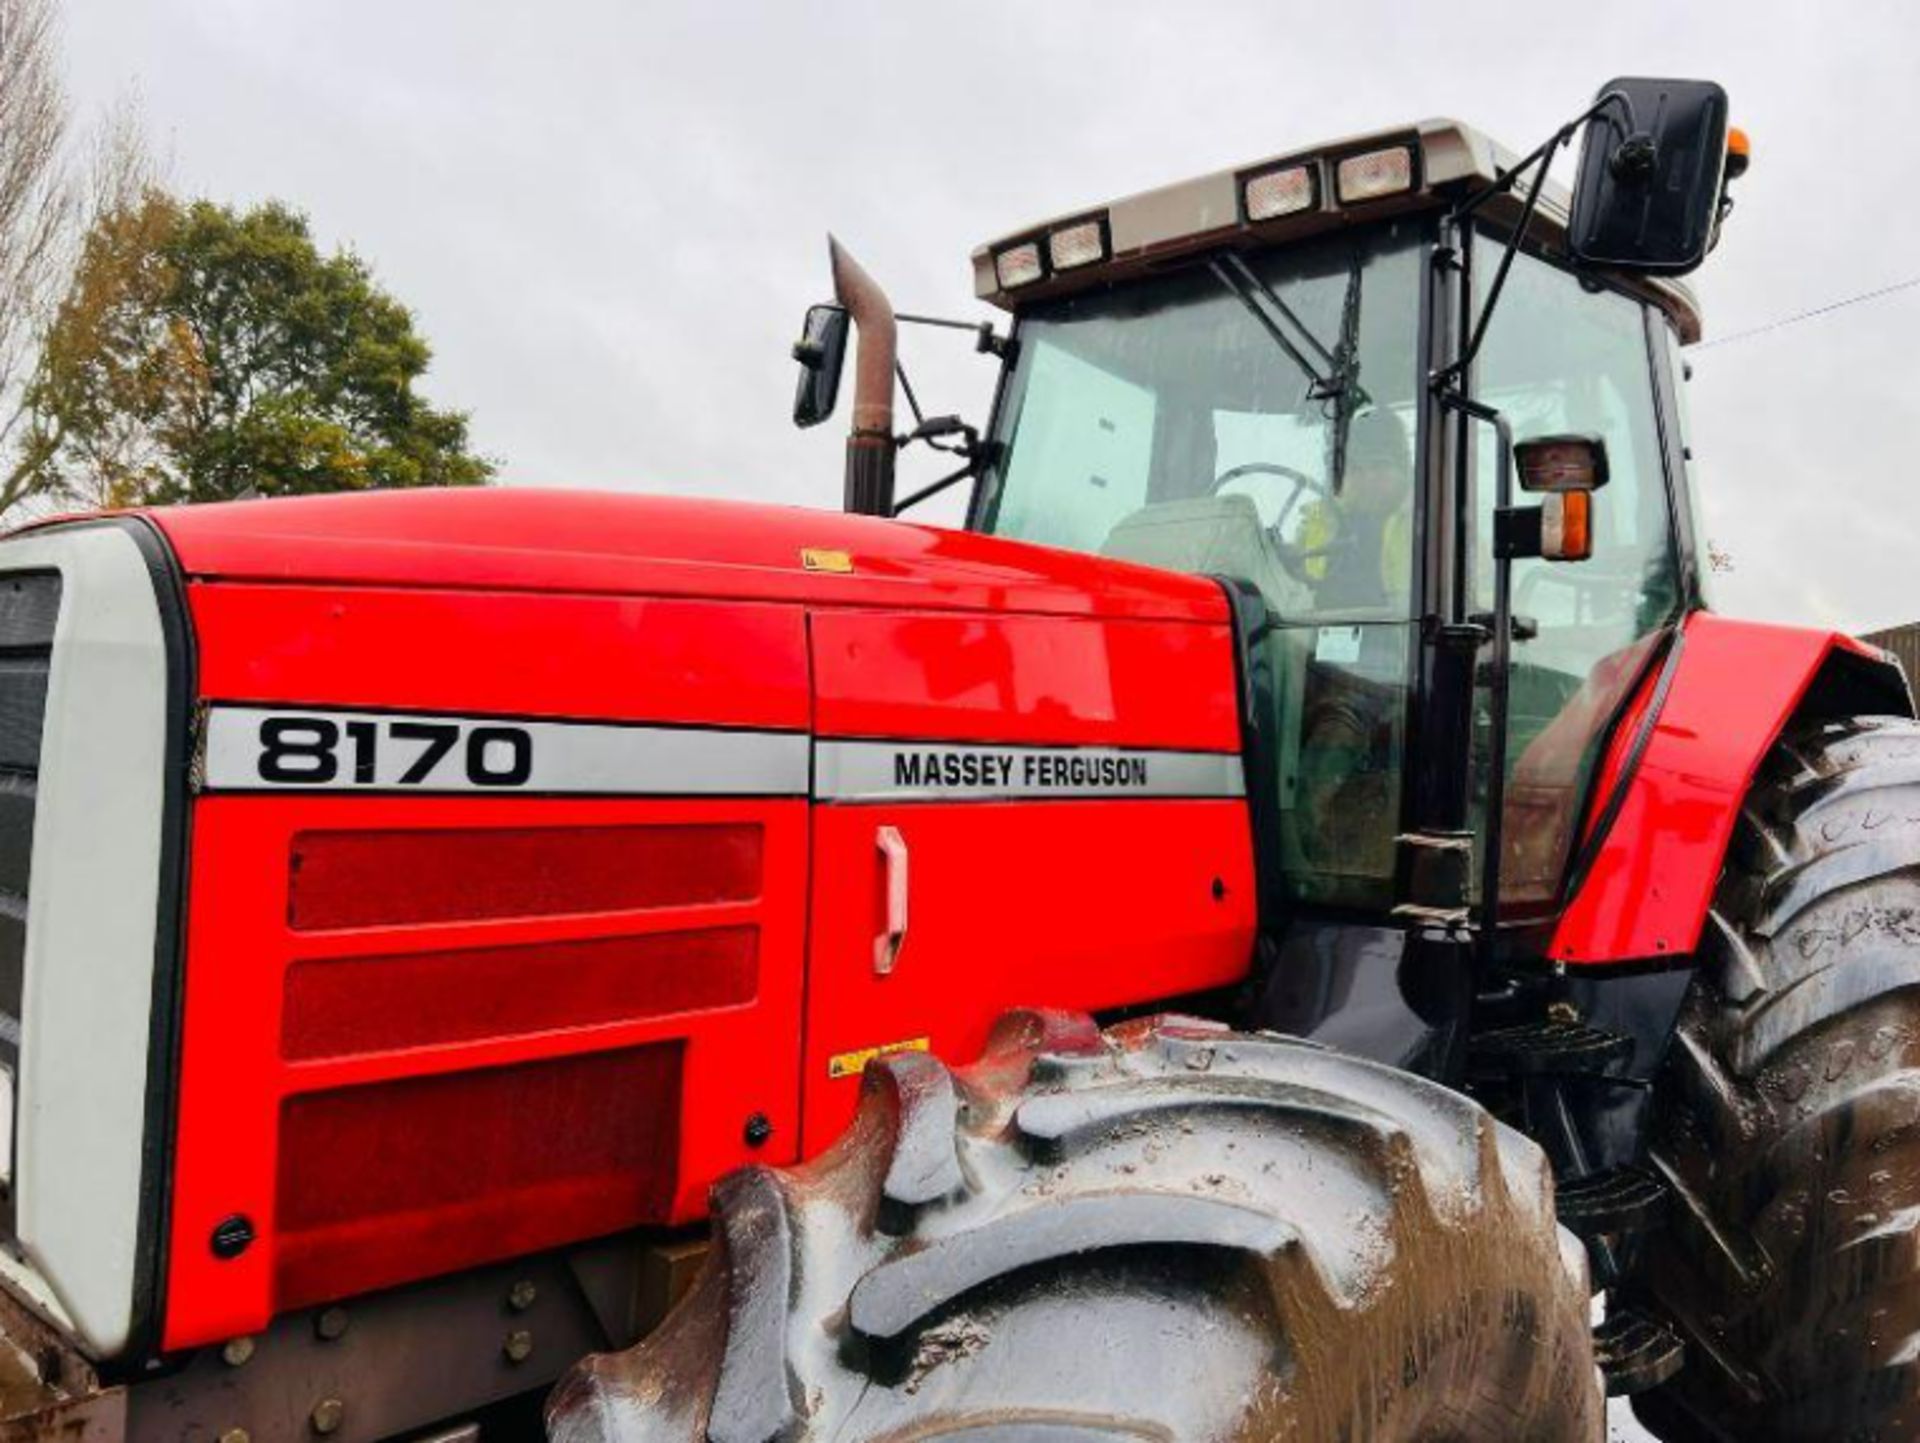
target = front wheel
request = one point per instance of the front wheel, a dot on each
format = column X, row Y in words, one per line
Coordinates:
column 1167, row 1231
column 1787, row 1120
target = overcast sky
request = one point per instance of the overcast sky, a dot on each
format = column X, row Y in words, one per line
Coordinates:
column 609, row 216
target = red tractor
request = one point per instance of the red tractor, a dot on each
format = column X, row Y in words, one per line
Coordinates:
column 414, row 908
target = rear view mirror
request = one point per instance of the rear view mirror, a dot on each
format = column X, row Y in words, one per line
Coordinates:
column 1651, row 169
column 821, row 350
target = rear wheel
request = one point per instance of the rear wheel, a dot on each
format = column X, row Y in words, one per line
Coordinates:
column 1788, row 1117
column 1166, row 1231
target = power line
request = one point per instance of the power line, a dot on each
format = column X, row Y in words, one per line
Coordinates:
column 1809, row 315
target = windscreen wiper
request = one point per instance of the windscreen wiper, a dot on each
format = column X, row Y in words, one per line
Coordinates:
column 1336, row 377
column 1250, row 290
column 1347, row 396
column 1331, row 375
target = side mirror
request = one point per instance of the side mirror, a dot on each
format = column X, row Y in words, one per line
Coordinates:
column 1652, row 166
column 821, row 351
column 1567, row 470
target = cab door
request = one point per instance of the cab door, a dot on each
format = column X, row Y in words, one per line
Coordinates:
column 1561, row 358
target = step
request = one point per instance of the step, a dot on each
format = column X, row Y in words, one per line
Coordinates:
column 1534, row 1048
column 1615, row 1200
column 1636, row 1352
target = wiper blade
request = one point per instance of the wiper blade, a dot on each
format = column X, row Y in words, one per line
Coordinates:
column 1348, row 397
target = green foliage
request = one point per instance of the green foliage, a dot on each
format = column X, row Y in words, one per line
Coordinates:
column 204, row 353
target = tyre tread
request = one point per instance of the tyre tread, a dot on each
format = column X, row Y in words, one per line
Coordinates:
column 1771, row 1097
column 1068, row 1165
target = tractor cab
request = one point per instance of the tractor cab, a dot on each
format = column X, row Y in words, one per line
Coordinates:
column 1234, row 377
column 1417, row 410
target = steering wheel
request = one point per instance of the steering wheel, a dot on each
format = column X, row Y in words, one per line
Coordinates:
column 1293, row 558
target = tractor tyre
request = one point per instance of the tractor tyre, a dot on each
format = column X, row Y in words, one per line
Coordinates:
column 1787, row 1117
column 1167, row 1231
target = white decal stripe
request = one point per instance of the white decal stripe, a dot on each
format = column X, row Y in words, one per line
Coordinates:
column 377, row 751
column 906, row 771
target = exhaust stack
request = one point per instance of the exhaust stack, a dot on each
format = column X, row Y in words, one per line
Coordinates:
column 870, row 447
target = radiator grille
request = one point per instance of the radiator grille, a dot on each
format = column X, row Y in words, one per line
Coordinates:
column 414, row 878
column 336, row 1007
column 29, row 606
column 415, row 1176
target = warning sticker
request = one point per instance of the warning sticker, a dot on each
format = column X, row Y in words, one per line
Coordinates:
column 852, row 1064
column 1339, row 645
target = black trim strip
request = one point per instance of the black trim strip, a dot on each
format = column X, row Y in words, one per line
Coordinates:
column 1254, row 691
column 1596, row 839
column 169, row 944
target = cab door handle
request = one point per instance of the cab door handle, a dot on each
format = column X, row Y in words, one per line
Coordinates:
column 886, row 947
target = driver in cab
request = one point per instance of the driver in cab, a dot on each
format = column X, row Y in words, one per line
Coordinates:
column 1357, row 550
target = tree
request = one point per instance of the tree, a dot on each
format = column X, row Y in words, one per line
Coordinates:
column 37, row 202
column 204, row 353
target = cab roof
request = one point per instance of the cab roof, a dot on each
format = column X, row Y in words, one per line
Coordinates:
column 1450, row 160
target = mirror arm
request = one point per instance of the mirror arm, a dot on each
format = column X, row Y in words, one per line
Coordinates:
column 974, row 464
column 906, row 387
column 986, row 340
column 1542, row 156
column 1546, row 148
column 1457, row 370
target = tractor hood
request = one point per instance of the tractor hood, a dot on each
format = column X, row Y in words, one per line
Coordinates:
column 529, row 539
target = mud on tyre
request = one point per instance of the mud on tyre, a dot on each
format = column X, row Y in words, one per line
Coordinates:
column 1164, row 1232
column 1788, row 1117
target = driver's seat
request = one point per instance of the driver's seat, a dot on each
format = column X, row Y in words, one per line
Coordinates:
column 1209, row 536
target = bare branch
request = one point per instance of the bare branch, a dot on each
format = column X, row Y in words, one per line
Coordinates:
column 120, row 168
column 38, row 208
column 56, row 189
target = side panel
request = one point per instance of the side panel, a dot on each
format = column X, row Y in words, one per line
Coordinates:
column 423, row 1033
column 440, row 1014
column 1090, row 905
column 1056, row 810
column 1736, row 686
column 1026, row 679
column 620, row 658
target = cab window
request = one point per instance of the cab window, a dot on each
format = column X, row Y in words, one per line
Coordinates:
column 1253, row 415
column 1560, row 357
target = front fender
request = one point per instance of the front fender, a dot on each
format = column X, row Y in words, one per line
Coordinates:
column 1736, row 687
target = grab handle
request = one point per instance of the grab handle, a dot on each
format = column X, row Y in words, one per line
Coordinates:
column 886, row 947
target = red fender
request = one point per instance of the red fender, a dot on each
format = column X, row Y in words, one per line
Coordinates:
column 1736, row 686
